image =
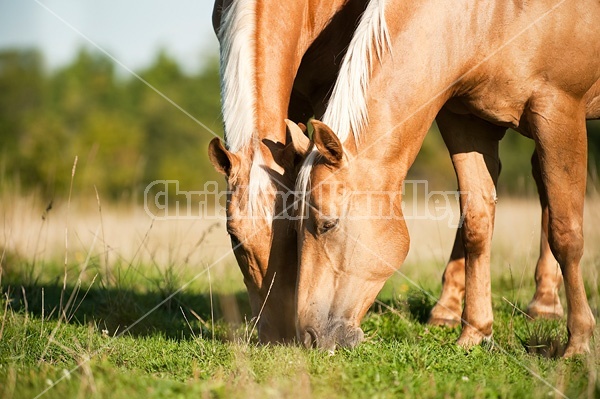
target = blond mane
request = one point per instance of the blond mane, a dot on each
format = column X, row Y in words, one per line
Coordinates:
column 347, row 109
column 238, row 70
column 237, row 36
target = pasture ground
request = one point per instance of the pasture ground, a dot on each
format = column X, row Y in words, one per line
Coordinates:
column 91, row 306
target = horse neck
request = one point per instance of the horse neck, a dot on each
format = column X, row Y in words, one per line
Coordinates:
column 413, row 80
column 262, row 45
column 284, row 32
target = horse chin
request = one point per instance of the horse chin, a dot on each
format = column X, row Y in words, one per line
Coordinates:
column 275, row 326
column 267, row 337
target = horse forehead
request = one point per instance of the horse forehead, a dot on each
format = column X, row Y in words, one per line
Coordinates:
column 327, row 183
column 241, row 177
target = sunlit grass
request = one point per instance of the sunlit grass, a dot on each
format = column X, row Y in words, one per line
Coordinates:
column 136, row 317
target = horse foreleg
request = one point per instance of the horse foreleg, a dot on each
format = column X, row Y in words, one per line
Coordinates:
column 558, row 127
column 548, row 278
column 473, row 146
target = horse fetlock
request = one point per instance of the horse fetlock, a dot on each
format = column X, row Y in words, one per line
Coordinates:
column 476, row 329
column 545, row 306
column 577, row 345
column 581, row 325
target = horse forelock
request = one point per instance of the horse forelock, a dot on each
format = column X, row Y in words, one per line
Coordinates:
column 347, row 108
column 254, row 189
column 237, row 36
column 261, row 191
column 303, row 183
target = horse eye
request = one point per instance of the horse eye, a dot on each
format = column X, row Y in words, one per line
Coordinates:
column 328, row 225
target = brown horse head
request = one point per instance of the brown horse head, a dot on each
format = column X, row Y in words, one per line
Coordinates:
column 259, row 222
column 339, row 275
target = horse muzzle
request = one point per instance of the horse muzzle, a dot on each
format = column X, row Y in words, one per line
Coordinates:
column 339, row 334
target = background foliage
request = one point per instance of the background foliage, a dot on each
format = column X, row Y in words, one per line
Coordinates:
column 125, row 135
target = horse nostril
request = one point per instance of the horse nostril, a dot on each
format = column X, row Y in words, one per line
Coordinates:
column 310, row 338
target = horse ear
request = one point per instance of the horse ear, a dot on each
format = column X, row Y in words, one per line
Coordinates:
column 298, row 137
column 224, row 161
column 327, row 142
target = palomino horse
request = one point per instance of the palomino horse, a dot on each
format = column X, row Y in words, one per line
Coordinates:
column 264, row 45
column 480, row 66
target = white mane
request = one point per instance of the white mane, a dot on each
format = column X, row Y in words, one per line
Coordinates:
column 238, row 98
column 347, row 108
column 260, row 190
column 238, row 83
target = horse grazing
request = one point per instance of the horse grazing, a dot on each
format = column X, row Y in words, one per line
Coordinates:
column 479, row 67
column 268, row 52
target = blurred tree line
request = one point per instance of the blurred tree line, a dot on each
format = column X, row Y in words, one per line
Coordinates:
column 125, row 135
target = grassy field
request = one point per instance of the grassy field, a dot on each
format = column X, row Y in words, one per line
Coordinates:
column 98, row 300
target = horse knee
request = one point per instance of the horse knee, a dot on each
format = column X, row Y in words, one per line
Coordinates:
column 477, row 227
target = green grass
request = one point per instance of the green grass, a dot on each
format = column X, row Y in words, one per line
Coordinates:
column 119, row 327
column 95, row 350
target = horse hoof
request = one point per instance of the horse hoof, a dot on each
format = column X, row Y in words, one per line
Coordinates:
column 471, row 337
column 443, row 316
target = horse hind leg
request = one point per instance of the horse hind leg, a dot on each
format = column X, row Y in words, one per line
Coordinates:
column 548, row 277
column 558, row 126
column 448, row 308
